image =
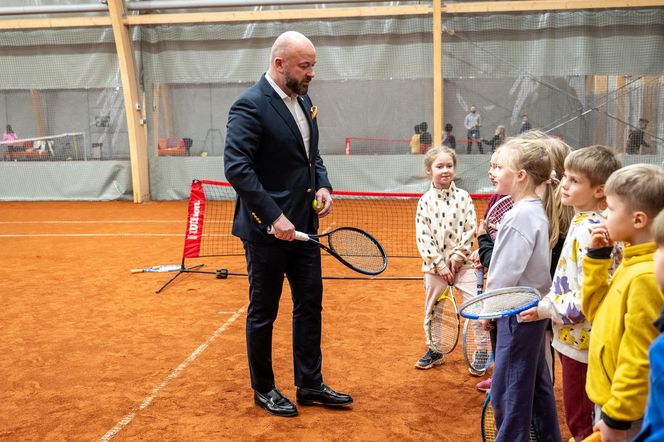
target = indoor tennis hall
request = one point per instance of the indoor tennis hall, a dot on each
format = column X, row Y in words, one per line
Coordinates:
column 113, row 111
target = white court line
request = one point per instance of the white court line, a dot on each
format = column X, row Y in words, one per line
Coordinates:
column 110, row 434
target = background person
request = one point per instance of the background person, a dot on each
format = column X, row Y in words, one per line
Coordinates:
column 449, row 139
column 636, row 138
column 525, row 124
column 415, row 140
column 272, row 161
column 425, row 138
column 472, row 123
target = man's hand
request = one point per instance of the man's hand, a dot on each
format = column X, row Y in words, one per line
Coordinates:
column 529, row 315
column 283, row 229
column 324, row 200
column 486, row 324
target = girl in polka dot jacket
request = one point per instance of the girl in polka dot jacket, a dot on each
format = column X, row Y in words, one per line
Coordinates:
column 445, row 224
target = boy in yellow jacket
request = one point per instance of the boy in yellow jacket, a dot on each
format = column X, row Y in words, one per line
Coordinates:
column 622, row 311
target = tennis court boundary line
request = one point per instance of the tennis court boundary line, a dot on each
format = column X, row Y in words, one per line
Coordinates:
column 119, row 426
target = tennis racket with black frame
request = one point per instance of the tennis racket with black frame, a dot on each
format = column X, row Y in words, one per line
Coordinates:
column 353, row 247
column 488, row 423
column 499, row 303
column 443, row 324
column 476, row 341
column 496, row 213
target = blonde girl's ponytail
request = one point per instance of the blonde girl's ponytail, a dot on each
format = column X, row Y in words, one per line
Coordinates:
column 560, row 217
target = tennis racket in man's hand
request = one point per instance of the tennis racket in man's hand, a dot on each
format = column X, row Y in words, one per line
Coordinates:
column 443, row 323
column 159, row 269
column 353, row 247
column 495, row 215
column 500, row 303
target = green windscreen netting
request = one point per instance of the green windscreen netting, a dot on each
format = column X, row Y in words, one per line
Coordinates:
column 587, row 77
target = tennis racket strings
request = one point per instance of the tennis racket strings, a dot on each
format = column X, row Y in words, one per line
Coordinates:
column 499, row 303
column 358, row 249
column 496, row 213
column 444, row 324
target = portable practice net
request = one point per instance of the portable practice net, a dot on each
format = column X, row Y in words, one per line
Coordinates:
column 389, row 217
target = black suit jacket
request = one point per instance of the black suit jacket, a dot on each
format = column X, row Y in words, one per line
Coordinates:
column 266, row 163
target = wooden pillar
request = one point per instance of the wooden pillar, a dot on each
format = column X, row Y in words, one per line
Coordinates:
column 38, row 113
column 165, row 94
column 137, row 132
column 601, row 122
column 437, row 73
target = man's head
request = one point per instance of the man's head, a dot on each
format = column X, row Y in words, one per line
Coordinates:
column 586, row 171
column 473, row 109
column 634, row 196
column 643, row 123
column 292, row 61
column 524, row 118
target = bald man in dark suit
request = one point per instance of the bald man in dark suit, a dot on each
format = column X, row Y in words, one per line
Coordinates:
column 272, row 161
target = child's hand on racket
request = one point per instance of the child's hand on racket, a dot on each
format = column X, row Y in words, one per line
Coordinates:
column 599, row 237
column 481, row 230
column 609, row 434
column 323, row 202
column 445, row 273
column 487, row 324
column 475, row 258
column 455, row 263
column 529, row 315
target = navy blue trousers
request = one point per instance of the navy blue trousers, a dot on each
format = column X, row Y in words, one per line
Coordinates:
column 266, row 265
column 521, row 390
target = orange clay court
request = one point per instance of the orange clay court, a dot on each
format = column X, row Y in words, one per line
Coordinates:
column 90, row 352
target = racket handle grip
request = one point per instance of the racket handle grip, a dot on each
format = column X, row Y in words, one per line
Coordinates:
column 479, row 274
column 595, row 437
column 300, row 236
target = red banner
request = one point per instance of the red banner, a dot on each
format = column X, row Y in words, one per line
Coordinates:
column 193, row 235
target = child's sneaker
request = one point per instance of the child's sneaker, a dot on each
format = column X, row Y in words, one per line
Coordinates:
column 429, row 359
column 484, row 386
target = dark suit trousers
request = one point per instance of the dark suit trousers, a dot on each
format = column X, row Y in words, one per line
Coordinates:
column 266, row 265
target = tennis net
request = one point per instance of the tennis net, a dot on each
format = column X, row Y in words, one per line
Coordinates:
column 389, row 217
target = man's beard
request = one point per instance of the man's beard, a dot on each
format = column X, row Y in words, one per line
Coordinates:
column 296, row 86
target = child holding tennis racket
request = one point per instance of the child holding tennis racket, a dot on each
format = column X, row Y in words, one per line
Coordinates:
column 586, row 171
column 522, row 390
column 623, row 310
column 445, row 225
column 653, row 421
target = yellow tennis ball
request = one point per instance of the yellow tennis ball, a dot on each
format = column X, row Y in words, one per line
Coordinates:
column 204, row 153
column 314, row 204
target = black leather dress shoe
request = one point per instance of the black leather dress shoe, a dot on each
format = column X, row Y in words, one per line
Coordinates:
column 275, row 403
column 322, row 395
